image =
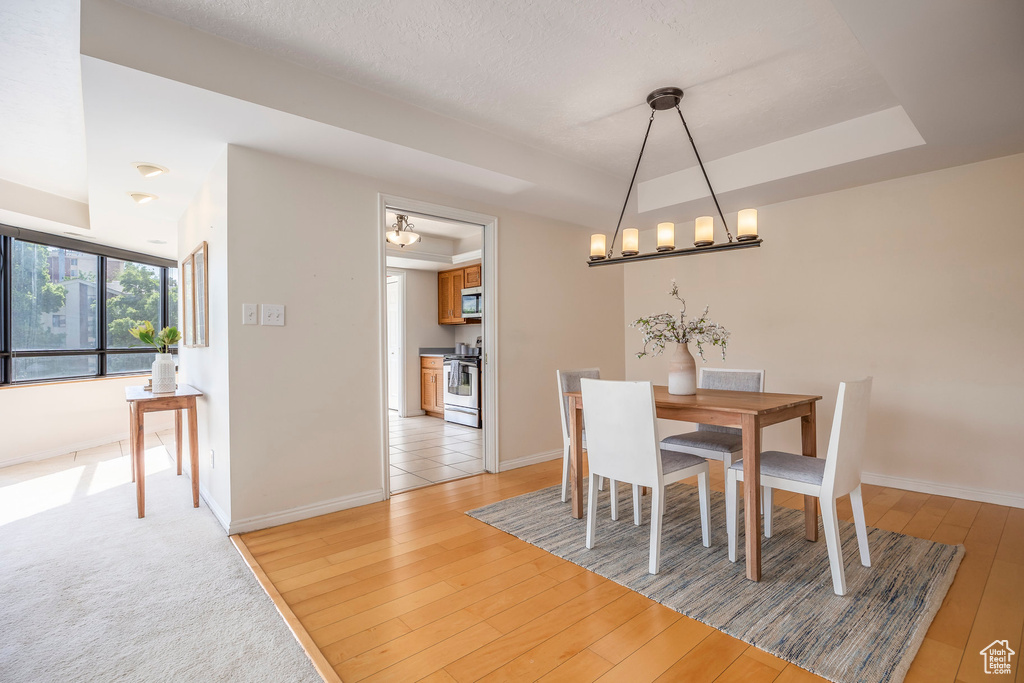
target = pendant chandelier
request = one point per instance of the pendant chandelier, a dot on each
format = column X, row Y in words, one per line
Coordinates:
column 704, row 228
column 401, row 233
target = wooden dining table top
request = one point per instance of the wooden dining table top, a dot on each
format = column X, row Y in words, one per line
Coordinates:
column 740, row 402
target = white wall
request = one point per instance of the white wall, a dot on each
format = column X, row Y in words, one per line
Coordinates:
column 306, row 425
column 916, row 281
column 207, row 368
column 421, row 330
column 42, row 420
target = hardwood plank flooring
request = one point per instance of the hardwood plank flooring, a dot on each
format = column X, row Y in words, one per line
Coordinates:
column 413, row 589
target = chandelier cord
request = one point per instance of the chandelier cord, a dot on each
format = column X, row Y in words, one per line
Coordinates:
column 706, row 179
column 622, row 213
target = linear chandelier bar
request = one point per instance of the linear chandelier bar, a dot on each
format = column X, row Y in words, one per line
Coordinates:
column 724, row 246
column 602, row 252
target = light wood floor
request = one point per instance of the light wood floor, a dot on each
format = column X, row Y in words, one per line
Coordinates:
column 413, row 589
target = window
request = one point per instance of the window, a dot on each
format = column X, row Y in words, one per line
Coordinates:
column 66, row 313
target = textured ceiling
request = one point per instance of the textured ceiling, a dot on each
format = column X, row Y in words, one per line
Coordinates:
column 570, row 76
column 41, row 97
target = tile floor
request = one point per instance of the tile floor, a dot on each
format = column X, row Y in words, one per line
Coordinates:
column 425, row 450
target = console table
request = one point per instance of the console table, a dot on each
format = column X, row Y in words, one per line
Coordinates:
column 140, row 402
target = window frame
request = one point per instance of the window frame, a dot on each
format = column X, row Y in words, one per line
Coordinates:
column 8, row 236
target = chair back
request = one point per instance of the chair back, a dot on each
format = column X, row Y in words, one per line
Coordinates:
column 569, row 380
column 728, row 380
column 622, row 436
column 845, row 456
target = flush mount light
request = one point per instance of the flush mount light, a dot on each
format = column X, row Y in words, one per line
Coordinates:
column 79, row 236
column 401, row 232
column 704, row 240
column 157, row 242
column 142, row 197
column 147, row 170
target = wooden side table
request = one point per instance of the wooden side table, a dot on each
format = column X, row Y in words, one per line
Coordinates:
column 141, row 402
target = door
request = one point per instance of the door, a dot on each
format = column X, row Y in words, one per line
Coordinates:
column 394, row 294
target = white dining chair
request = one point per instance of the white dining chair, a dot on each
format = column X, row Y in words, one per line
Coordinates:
column 827, row 479
column 623, row 446
column 711, row 441
column 569, row 380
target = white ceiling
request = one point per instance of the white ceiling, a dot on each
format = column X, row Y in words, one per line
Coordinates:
column 570, row 76
column 42, row 130
column 534, row 107
column 437, row 227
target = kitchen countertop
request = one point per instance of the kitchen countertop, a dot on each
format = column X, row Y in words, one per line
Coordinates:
column 437, row 350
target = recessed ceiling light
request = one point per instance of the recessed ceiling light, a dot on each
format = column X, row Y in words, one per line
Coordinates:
column 142, row 197
column 148, row 170
column 79, row 236
column 157, row 242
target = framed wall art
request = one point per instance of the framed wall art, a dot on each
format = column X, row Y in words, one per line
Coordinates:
column 195, row 308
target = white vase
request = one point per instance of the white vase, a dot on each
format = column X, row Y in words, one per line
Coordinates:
column 682, row 372
column 163, row 374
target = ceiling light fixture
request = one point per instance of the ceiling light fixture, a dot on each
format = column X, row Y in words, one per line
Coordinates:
column 142, row 197
column 148, row 170
column 704, row 239
column 401, row 232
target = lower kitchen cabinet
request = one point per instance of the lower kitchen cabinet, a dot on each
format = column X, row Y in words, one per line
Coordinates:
column 432, row 385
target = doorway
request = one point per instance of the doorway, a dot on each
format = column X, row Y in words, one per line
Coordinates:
column 438, row 361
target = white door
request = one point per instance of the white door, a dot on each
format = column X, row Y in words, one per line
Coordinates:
column 394, row 345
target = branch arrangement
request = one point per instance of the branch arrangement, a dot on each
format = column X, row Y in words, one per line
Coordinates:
column 663, row 328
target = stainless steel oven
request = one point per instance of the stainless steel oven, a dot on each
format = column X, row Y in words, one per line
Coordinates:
column 462, row 390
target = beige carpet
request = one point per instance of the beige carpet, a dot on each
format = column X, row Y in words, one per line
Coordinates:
column 871, row 634
column 92, row 593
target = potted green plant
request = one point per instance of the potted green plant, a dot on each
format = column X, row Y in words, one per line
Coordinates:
column 163, row 366
column 663, row 328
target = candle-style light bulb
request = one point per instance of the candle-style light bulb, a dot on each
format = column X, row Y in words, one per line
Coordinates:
column 598, row 250
column 630, row 242
column 666, row 236
column 746, row 225
column 704, row 231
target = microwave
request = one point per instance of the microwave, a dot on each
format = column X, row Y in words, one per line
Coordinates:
column 472, row 302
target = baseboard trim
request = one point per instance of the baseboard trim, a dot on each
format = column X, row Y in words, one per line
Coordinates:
column 216, row 509
column 979, row 495
column 316, row 657
column 505, row 465
column 244, row 526
column 63, row 450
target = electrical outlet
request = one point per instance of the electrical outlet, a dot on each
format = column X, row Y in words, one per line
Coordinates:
column 250, row 314
column 273, row 314
column 213, row 459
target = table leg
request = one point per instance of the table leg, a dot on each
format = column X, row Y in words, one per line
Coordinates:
column 193, row 449
column 177, row 437
column 752, row 494
column 131, row 437
column 576, row 456
column 140, row 460
column 808, row 434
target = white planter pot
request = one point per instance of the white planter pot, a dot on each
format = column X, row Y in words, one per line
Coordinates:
column 163, row 374
column 682, row 372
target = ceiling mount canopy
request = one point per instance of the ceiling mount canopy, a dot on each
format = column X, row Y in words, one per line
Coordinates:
column 601, row 253
column 400, row 232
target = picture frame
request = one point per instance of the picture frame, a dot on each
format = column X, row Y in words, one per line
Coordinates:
column 201, row 299
column 195, row 297
column 187, row 303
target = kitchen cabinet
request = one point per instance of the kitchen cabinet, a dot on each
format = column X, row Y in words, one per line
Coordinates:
column 432, row 385
column 472, row 276
column 449, row 296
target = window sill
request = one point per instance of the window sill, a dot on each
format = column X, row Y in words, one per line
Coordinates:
column 78, row 380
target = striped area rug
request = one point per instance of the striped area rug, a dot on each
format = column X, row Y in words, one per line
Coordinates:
column 871, row 634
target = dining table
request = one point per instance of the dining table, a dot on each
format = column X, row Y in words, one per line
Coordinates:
column 750, row 411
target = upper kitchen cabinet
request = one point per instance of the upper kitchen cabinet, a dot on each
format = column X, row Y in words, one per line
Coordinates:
column 449, row 296
column 472, row 276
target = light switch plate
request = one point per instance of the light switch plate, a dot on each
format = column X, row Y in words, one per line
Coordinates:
column 273, row 314
column 250, row 314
